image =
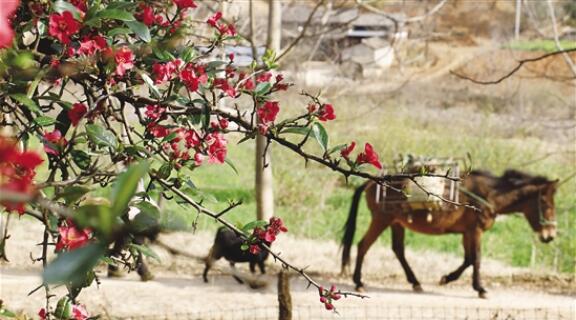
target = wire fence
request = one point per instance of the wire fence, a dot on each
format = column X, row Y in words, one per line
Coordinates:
column 380, row 312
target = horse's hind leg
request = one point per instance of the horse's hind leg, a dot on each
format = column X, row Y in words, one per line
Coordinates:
column 377, row 225
column 398, row 248
column 141, row 267
column 453, row 276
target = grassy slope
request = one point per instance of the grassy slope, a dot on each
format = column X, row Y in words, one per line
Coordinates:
column 314, row 201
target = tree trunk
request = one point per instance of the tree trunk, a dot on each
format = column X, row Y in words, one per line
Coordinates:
column 264, row 179
column 284, row 298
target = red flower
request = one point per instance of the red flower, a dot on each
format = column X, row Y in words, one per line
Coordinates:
column 326, row 113
column 345, row 153
column 165, row 72
column 6, row 32
column 42, row 314
column 62, row 26
column 54, row 142
column 90, row 46
column 254, row 249
column 264, row 77
column 266, row 115
column 191, row 138
column 277, row 225
column 213, row 20
column 157, row 130
column 71, row 237
column 198, row 158
column 16, row 172
column 76, row 113
column 216, row 148
column 124, row 60
column 79, row 312
column 192, row 76
column 183, row 4
column 223, row 85
column 154, row 112
column 223, row 122
column 146, row 15
column 311, row 108
column 80, row 4
column 369, row 156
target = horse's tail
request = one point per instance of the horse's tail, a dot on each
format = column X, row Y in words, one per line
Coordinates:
column 350, row 226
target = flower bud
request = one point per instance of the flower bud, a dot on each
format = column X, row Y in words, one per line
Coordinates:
column 329, row 306
column 323, row 299
column 336, row 296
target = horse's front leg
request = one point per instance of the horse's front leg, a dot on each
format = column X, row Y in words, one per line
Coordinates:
column 476, row 282
column 467, row 238
column 398, row 248
column 377, row 225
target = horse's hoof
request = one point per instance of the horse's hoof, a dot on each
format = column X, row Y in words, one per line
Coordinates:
column 146, row 276
column 444, row 280
column 417, row 288
column 115, row 274
column 483, row 295
column 360, row 289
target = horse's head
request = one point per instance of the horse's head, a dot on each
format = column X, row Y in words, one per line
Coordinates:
column 540, row 212
column 534, row 197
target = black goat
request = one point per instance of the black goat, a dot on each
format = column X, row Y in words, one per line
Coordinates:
column 228, row 245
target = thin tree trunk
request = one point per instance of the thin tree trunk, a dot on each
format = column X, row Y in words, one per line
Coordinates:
column 284, row 297
column 264, row 179
column 517, row 20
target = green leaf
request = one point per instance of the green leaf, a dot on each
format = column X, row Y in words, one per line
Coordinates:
column 72, row 194
column 125, row 187
column 73, row 266
column 336, row 148
column 263, row 88
column 147, row 220
column 145, row 251
column 151, row 85
column 188, row 54
column 44, row 121
column 7, row 313
column 140, row 29
column 81, row 159
column 231, row 164
column 170, row 137
column 23, row 99
column 213, row 65
column 101, row 137
column 118, row 31
column 244, row 247
column 321, row 136
column 254, row 224
column 165, row 170
column 297, row 130
column 95, row 216
column 61, row 6
column 115, row 14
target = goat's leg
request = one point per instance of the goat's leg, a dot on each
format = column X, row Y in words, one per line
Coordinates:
column 240, row 281
column 208, row 262
column 262, row 266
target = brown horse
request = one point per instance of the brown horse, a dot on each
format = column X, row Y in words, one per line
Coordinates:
column 514, row 191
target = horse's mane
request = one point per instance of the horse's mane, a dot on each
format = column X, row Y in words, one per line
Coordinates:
column 512, row 178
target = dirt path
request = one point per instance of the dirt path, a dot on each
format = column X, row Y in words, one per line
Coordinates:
column 179, row 293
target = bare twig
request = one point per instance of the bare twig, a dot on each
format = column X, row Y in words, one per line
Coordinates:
column 514, row 70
